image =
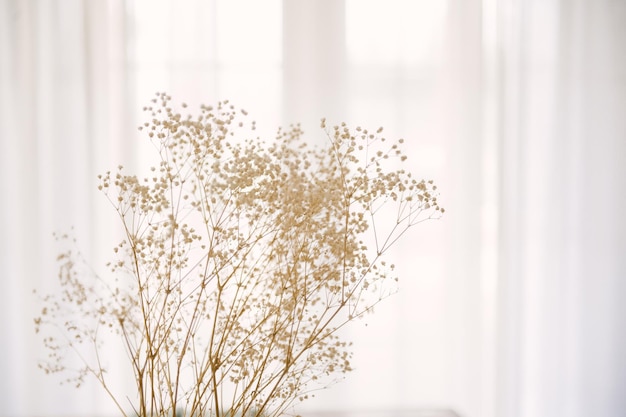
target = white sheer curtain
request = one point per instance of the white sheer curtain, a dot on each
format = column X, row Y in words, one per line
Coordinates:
column 563, row 195
column 508, row 307
column 63, row 119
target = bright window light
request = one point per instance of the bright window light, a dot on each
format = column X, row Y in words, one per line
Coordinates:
column 393, row 31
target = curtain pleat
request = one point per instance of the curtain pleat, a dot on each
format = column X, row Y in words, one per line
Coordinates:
column 562, row 189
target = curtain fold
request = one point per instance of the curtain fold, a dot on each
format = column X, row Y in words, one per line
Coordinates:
column 62, row 118
column 563, row 190
column 314, row 62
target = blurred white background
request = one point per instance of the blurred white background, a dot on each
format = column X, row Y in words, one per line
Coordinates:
column 510, row 306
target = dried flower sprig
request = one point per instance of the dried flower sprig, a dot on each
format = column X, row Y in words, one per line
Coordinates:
column 241, row 261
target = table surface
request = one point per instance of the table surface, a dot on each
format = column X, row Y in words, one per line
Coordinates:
column 389, row 413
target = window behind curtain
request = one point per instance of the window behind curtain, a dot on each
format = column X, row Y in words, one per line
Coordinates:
column 203, row 51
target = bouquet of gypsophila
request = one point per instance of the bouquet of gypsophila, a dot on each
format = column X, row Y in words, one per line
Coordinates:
column 240, row 262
